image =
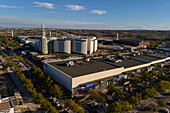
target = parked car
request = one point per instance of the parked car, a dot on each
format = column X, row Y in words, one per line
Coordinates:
column 165, row 110
column 105, row 105
column 94, row 104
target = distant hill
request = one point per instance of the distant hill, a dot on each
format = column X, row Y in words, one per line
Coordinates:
column 108, row 34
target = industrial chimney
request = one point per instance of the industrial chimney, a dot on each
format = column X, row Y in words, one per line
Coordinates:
column 12, row 33
column 50, row 33
column 117, row 38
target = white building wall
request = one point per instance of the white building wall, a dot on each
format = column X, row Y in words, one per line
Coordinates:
column 157, row 61
column 95, row 76
column 67, row 46
column 83, row 47
column 58, row 76
column 73, row 46
column 79, row 46
column 137, row 67
column 90, row 45
column 62, row 46
column 95, row 45
column 55, row 46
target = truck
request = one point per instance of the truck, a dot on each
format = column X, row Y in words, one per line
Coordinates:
column 78, row 62
column 69, row 63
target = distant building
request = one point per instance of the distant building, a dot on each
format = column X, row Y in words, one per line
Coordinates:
column 132, row 42
column 79, row 46
column 62, row 45
column 6, row 105
column 44, row 45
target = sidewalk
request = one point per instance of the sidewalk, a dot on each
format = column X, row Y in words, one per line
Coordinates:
column 28, row 101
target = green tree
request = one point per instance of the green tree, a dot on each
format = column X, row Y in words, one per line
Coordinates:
column 149, row 93
column 111, row 88
column 155, row 109
column 115, row 108
column 5, row 67
column 162, row 86
column 94, row 95
column 29, row 85
column 126, row 106
column 145, row 75
column 161, row 103
column 55, row 91
column 153, row 73
column 39, row 98
column 48, row 82
column 137, row 80
column 71, row 104
column 134, row 101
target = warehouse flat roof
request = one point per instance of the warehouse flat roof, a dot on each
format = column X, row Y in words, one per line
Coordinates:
column 129, row 63
column 147, row 58
column 83, row 69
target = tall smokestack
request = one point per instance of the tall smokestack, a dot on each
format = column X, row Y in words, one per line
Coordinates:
column 12, row 33
column 43, row 27
column 50, row 33
column 43, row 31
column 117, row 38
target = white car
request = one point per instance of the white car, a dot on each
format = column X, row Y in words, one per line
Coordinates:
column 105, row 105
column 94, row 104
column 117, row 61
column 165, row 110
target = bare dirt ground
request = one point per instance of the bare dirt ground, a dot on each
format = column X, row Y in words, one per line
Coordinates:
column 6, row 83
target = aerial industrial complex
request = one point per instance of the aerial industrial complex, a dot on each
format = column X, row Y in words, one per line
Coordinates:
column 81, row 74
column 45, row 45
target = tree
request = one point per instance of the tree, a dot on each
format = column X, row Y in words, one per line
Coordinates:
column 111, row 88
column 71, row 104
column 46, row 106
column 39, row 98
column 48, row 82
column 34, row 93
column 149, row 93
column 126, row 106
column 5, row 67
column 155, row 109
column 153, row 73
column 139, row 96
column 137, row 80
column 162, row 86
column 161, row 103
column 145, row 75
column 134, row 101
column 115, row 108
column 55, row 91
column 94, row 95
column 29, row 85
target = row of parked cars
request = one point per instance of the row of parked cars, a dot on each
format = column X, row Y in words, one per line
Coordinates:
column 96, row 104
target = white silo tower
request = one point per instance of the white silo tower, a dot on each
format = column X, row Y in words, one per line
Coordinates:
column 44, row 46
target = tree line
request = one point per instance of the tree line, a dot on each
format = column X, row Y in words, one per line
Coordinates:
column 134, row 100
column 20, row 58
column 37, row 97
column 10, row 62
column 53, row 88
column 46, row 81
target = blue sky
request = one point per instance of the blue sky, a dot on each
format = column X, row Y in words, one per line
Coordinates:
column 86, row 14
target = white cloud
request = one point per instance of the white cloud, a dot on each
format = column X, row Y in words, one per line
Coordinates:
column 98, row 12
column 7, row 6
column 74, row 7
column 44, row 4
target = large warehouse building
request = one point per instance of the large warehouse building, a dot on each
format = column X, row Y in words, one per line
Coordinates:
column 84, row 74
